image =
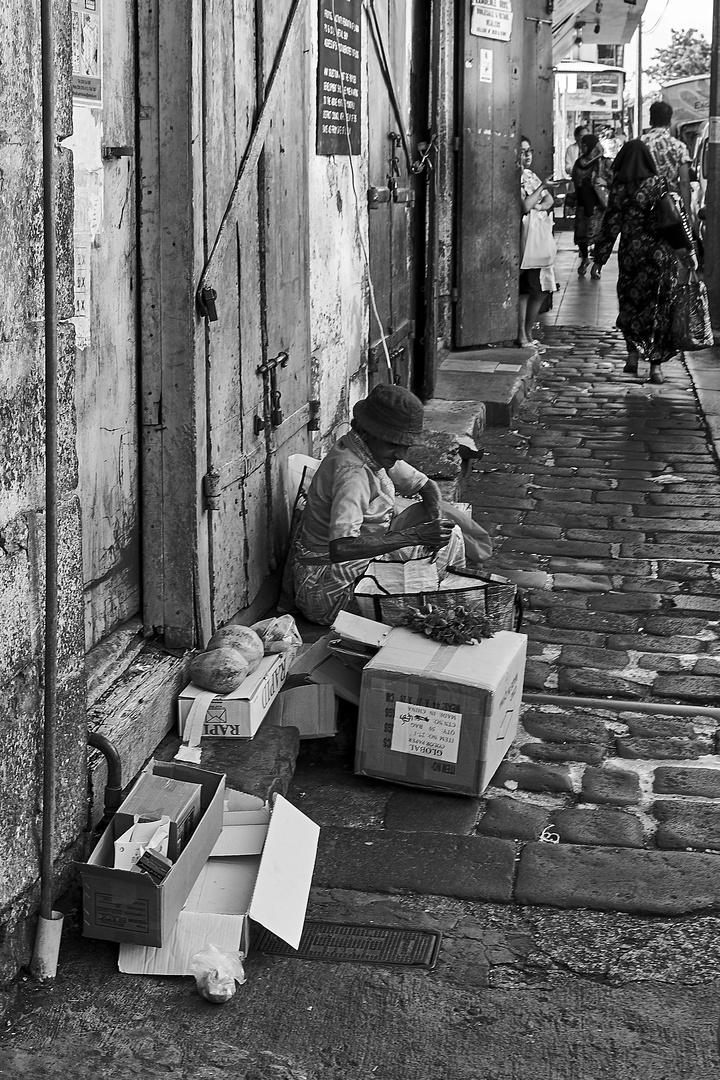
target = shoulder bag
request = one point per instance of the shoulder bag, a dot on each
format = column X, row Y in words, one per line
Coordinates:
column 670, row 222
column 538, row 245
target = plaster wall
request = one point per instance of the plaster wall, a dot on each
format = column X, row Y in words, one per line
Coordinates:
column 338, row 273
column 22, row 450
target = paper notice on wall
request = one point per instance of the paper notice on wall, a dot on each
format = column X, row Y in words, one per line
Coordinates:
column 492, row 19
column 87, row 52
column 427, row 732
column 486, row 65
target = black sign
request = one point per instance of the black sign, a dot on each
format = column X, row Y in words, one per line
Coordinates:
column 338, row 77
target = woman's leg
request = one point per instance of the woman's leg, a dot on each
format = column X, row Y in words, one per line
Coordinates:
column 522, row 338
column 534, row 303
column 584, row 259
column 631, row 364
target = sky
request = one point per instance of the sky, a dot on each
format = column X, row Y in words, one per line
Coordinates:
column 660, row 18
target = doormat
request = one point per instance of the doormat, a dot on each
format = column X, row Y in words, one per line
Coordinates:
column 360, row 944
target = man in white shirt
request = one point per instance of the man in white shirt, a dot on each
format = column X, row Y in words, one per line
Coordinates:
column 573, row 151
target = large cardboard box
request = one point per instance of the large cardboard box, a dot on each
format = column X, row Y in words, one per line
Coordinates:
column 237, row 715
column 440, row 716
column 127, row 905
column 261, row 869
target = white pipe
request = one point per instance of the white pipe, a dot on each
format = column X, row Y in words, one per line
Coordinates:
column 43, row 965
column 614, row 705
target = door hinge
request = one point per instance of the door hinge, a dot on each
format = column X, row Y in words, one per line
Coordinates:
column 211, row 489
column 404, row 195
column 377, row 195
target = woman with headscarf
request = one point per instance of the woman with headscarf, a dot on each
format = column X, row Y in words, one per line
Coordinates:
column 591, row 176
column 648, row 266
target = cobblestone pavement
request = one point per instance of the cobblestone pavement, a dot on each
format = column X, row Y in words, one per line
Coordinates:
column 604, row 497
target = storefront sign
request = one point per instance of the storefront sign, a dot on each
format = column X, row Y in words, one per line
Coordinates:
column 87, row 52
column 338, row 77
column 492, row 19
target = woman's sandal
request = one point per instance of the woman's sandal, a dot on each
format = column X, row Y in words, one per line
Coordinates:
column 656, row 374
column 582, row 268
column 631, row 364
column 595, row 273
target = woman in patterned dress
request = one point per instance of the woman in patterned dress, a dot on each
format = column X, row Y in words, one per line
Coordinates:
column 648, row 266
column 591, row 176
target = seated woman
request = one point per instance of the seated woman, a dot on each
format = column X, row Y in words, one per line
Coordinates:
column 352, row 514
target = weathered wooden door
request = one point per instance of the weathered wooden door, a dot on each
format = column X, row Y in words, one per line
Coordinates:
column 258, row 350
column 488, row 200
column 106, row 281
column 395, row 59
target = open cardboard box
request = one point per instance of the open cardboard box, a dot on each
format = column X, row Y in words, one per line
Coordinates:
column 261, row 869
column 237, row 715
column 127, row 905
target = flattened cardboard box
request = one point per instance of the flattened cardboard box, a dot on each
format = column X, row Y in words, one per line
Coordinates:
column 125, row 905
column 261, row 869
column 440, row 716
column 239, row 715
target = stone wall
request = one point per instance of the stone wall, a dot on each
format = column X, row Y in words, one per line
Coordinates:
column 22, row 493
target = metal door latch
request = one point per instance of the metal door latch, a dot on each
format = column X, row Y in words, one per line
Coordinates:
column 206, row 304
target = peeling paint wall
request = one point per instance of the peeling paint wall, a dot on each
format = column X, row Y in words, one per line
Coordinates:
column 338, row 275
column 22, row 492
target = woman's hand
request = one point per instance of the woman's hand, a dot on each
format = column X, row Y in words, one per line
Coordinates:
column 434, row 534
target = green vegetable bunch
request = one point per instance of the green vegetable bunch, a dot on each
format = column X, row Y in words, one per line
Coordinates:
column 451, row 626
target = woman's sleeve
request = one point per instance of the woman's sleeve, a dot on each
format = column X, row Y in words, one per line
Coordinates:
column 610, row 226
column 350, row 500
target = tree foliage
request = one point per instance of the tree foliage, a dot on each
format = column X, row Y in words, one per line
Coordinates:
column 688, row 54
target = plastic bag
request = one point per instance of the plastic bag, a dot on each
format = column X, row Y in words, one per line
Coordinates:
column 216, row 973
column 278, row 635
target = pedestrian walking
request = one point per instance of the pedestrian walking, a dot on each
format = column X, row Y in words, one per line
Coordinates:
column 573, row 151
column 647, row 265
column 591, row 176
column 671, row 155
column 537, row 248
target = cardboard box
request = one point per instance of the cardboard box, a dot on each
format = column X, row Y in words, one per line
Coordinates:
column 157, row 796
column 440, row 716
column 312, row 709
column 319, row 664
column 125, row 905
column 261, row 870
column 237, row 715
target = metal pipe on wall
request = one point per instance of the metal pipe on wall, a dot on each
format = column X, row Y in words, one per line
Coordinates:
column 47, row 943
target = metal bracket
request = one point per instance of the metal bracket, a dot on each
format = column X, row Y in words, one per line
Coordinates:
column 211, row 490
column 108, row 153
column 206, row 304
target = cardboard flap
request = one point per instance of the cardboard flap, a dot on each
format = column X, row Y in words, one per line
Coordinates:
column 363, row 631
column 189, row 935
column 283, row 883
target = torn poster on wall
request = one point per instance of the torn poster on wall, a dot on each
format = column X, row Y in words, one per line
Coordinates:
column 338, row 77
column 87, row 52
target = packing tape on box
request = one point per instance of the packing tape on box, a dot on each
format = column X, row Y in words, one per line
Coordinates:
column 194, row 723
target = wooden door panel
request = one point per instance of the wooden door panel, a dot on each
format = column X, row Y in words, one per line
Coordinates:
column 263, row 299
column 106, row 337
column 488, row 193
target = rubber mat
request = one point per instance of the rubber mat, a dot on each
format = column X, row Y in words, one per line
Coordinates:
column 360, row 944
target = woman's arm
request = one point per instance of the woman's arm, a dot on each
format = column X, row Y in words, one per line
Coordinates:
column 430, row 534
column 539, row 199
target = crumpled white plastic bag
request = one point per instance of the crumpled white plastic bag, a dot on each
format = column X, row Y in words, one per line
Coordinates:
column 279, row 634
column 216, row 973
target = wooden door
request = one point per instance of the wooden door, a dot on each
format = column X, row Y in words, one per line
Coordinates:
column 106, row 332
column 395, row 207
column 258, row 350
column 488, row 200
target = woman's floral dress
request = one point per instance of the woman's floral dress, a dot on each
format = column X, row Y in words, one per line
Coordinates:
column 648, row 269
